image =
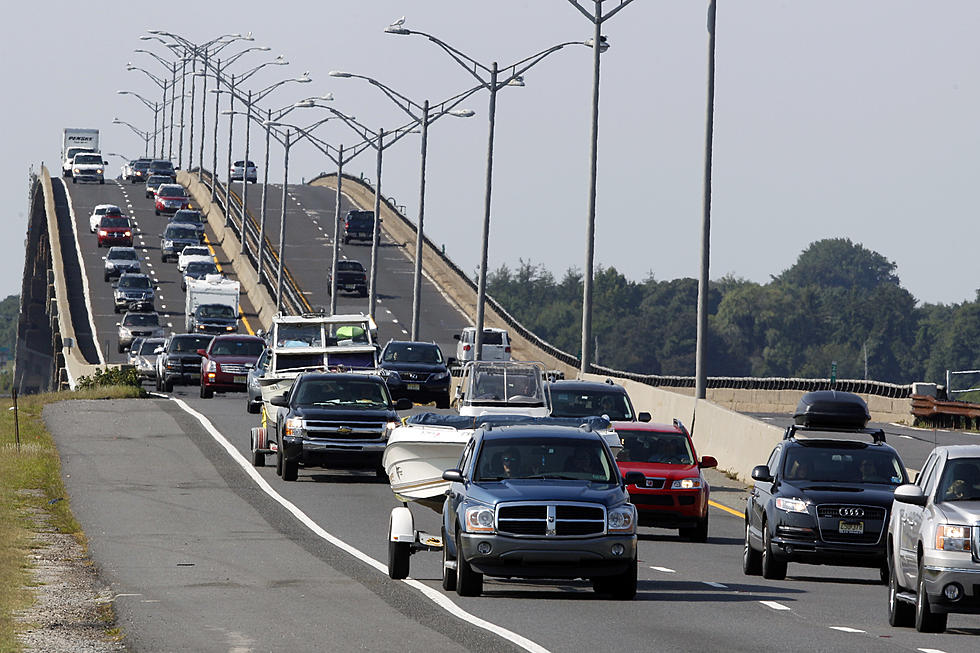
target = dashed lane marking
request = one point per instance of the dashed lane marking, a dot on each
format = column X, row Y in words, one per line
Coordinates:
column 719, row 586
column 773, row 605
column 931, row 650
column 847, row 629
column 665, row 570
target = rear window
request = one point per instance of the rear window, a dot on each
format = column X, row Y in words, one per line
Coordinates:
column 122, row 255
column 201, row 268
column 184, row 215
column 493, row 337
column 114, row 221
column 182, row 233
column 653, row 447
column 350, row 265
column 141, row 319
column 237, row 348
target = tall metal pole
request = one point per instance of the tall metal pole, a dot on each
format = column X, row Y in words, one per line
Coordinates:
column 336, row 231
column 183, row 81
column 231, row 132
column 190, row 139
column 373, row 291
column 586, row 362
column 282, row 224
column 204, row 103
column 163, row 121
column 265, row 189
column 481, row 289
column 173, row 105
column 700, row 374
column 417, row 282
column 214, row 153
column 244, row 224
column 156, row 109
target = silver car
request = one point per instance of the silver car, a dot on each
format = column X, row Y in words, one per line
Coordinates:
column 239, row 169
column 143, row 357
column 933, row 541
column 134, row 325
column 254, row 402
column 120, row 260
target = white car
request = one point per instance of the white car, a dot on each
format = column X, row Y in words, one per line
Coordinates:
column 99, row 211
column 240, row 170
column 193, row 253
column 496, row 345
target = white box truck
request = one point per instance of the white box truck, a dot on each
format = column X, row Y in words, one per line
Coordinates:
column 212, row 305
column 73, row 141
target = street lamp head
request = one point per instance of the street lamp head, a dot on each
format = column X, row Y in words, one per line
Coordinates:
column 326, row 97
column 146, row 37
column 141, row 50
column 462, row 113
column 124, row 92
column 338, row 73
column 263, row 48
column 271, row 123
column 603, row 43
column 228, row 112
column 396, row 27
column 518, row 80
column 116, row 121
column 304, row 78
column 305, row 104
column 216, row 91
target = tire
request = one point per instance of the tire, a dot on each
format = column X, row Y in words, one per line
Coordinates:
column 251, row 407
column 927, row 621
column 883, row 573
column 621, row 587
column 751, row 559
column 448, row 575
column 102, row 181
column 278, row 461
column 258, row 459
column 163, row 258
column 168, row 385
column 155, row 211
column 105, row 277
column 120, row 348
column 697, row 533
column 772, row 568
column 290, row 470
column 468, row 582
column 115, row 309
column 442, row 403
column 398, row 559
column 206, row 392
column 900, row 613
column 74, row 181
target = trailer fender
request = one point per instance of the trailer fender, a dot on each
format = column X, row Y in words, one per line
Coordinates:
column 402, row 528
column 259, row 438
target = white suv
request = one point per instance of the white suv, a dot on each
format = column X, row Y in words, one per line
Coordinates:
column 496, row 345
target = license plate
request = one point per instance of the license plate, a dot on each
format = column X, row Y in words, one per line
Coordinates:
column 412, row 386
column 852, row 528
column 349, row 286
column 239, row 379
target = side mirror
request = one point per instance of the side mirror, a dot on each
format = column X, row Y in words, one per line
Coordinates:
column 707, row 462
column 453, row 476
column 644, row 417
column 455, row 336
column 201, row 352
column 105, row 163
column 158, row 350
column 118, row 323
column 635, row 478
column 280, row 401
column 761, row 473
column 910, row 494
column 260, row 333
column 404, row 404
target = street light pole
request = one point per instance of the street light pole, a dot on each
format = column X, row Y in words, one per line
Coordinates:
column 204, row 103
column 156, row 109
column 481, row 289
column 214, row 154
column 244, row 224
column 173, row 101
column 231, row 128
column 373, row 290
column 265, row 188
column 417, row 273
column 183, row 81
column 336, row 231
column 282, row 224
column 190, row 139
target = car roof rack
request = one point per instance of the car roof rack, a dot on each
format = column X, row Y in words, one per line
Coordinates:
column 679, row 425
column 877, row 435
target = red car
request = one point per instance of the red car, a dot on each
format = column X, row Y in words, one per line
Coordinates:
column 675, row 494
column 115, row 230
column 171, row 198
column 226, row 362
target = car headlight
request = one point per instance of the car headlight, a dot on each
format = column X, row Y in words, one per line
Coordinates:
column 686, row 484
column 212, row 366
column 439, row 376
column 479, row 519
column 99, row 171
column 102, row 232
column 295, row 426
column 952, row 537
column 229, row 328
column 76, row 171
column 621, row 519
column 128, row 233
column 792, row 505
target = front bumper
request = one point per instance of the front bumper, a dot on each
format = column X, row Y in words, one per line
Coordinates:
column 317, row 452
column 940, row 569
column 548, row 557
column 224, row 381
column 216, row 328
column 139, row 305
column 111, row 240
column 88, row 176
column 669, row 508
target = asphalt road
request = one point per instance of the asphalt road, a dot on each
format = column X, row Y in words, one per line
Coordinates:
column 207, row 553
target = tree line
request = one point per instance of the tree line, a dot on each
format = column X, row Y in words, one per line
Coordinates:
column 839, row 303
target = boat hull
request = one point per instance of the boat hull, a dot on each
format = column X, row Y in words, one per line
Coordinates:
column 415, row 458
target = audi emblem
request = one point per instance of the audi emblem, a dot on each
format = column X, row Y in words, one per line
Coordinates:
column 851, row 512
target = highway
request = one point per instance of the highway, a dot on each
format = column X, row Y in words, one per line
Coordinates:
column 206, row 553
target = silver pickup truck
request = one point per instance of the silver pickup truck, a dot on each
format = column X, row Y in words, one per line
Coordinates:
column 934, row 541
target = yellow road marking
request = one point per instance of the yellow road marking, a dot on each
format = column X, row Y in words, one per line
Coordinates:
column 207, row 241
column 730, row 511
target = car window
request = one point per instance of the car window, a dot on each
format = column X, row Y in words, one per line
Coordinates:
column 582, row 403
column 88, row 159
column 141, row 319
column 529, row 457
column 181, row 233
column 924, row 475
column 110, row 221
column 652, row 447
column 196, row 251
column 122, row 255
column 134, row 282
column 773, row 461
column 299, row 335
column 192, row 343
column 493, row 337
column 960, row 480
column 263, row 362
column 351, row 392
column 201, row 268
column 833, row 465
column 412, row 353
column 147, row 347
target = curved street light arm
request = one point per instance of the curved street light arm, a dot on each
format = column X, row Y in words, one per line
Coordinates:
column 467, row 62
column 605, row 15
column 233, row 58
column 167, row 64
column 156, row 80
column 519, row 68
column 404, row 103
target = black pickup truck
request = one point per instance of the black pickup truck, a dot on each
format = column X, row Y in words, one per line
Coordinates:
column 358, row 225
column 351, row 277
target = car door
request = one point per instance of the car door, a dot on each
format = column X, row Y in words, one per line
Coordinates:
column 455, row 495
column 761, row 495
column 911, row 520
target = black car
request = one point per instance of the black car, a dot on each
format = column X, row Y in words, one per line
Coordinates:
column 179, row 361
column 539, row 501
column 190, row 216
column 416, row 370
column 163, row 168
column 153, row 182
column 584, row 398
column 134, row 292
column 358, row 225
column 333, row 420
column 825, row 495
column 137, row 170
column 351, row 277
column 175, row 238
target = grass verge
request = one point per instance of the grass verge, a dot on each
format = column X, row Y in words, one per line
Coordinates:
column 30, row 479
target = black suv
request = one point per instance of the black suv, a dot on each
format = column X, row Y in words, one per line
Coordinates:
column 826, row 493
column 162, row 167
column 538, row 501
column 179, row 361
column 351, row 277
column 175, row 238
column 358, row 225
column 333, row 420
column 585, row 398
column 416, row 370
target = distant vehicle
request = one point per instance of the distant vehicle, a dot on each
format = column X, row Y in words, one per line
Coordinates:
column 240, row 169
column 175, row 238
column 115, row 230
column 170, row 198
column 153, row 182
column 198, row 270
column 88, row 166
column 164, row 168
column 253, row 404
column 135, row 170
column 143, row 356
column 120, row 260
column 573, row 398
column 190, row 216
column 99, row 211
column 351, row 277
column 417, row 371
column 134, row 292
column 211, row 305
column 134, row 325
column 359, row 225
column 496, row 345
column 193, row 253
column 226, row 362
column 74, row 141
column 178, row 360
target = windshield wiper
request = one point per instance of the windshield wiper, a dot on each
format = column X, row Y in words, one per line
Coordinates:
column 560, row 477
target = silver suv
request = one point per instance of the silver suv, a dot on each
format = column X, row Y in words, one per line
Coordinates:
column 933, row 541
column 134, row 325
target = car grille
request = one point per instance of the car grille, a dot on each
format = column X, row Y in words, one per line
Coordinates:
column 848, row 512
column 829, row 516
column 551, row 519
column 652, row 499
column 234, row 368
column 414, row 377
column 655, row 483
column 345, row 429
column 141, row 332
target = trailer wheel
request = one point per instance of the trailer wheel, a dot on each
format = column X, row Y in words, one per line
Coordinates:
column 398, row 557
column 258, row 442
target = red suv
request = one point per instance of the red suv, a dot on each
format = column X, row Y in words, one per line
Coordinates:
column 226, row 362
column 171, row 198
column 115, row 230
column 675, row 493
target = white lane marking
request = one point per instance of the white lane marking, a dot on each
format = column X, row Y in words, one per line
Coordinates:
column 395, row 320
column 435, row 596
column 846, row 629
column 917, row 428
column 774, row 605
column 163, row 306
column 715, row 585
column 81, row 265
column 404, row 331
column 931, row 650
column 170, row 325
column 665, row 570
column 907, row 437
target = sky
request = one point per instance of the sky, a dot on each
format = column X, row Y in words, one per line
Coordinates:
column 833, row 118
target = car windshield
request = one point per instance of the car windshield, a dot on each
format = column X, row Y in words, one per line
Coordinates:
column 515, row 384
column 148, row 346
column 350, row 265
column 141, row 319
column 127, row 281
column 201, row 268
column 140, row 164
column 412, row 353
column 960, row 480
column 653, row 447
column 180, row 233
column 554, row 458
column 185, row 215
column 171, row 190
column 216, row 310
column 161, row 165
column 351, row 392
column 299, row 335
column 190, row 343
column 195, row 251
column 582, row 403
column 88, row 159
column 122, row 255
column 110, row 221
column 840, row 465
column 156, row 180
column 251, row 348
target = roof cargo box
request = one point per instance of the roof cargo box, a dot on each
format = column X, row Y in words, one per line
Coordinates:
column 832, row 409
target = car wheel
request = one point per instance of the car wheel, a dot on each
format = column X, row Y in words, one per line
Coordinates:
column 290, row 470
column 279, row 461
column 102, row 181
column 772, row 568
column 74, row 181
column 398, row 559
column 442, row 403
column 900, row 613
column 168, row 385
column 751, row 559
column 448, row 575
column 163, row 258
column 206, row 392
column 927, row 621
column 883, row 573
column 251, row 407
column 468, row 582
column 697, row 533
column 121, row 348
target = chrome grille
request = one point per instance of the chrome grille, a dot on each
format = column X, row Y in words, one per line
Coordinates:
column 534, row 519
column 345, row 429
column 235, row 368
column 875, row 520
column 846, row 511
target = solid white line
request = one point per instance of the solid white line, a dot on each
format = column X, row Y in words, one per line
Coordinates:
column 907, row 437
column 931, row 650
column 917, row 428
column 665, row 570
column 845, row 629
column 435, row 596
column 774, row 605
column 81, row 264
column 717, row 585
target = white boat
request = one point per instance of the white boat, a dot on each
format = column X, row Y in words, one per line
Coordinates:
column 503, row 388
column 415, row 458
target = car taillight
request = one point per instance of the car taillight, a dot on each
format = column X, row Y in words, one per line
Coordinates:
column 466, row 347
column 507, row 349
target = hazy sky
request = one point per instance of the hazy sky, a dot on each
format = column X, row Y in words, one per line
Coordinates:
column 853, row 118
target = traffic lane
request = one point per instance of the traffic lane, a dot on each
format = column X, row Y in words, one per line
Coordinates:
column 683, row 578
column 197, row 561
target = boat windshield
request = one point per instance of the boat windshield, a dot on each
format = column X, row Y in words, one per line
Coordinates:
column 299, row 335
column 511, row 384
